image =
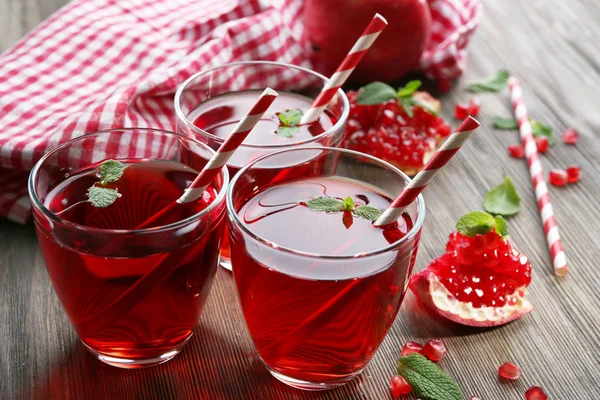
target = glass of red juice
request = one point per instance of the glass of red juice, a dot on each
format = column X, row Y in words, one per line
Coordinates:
column 319, row 290
column 210, row 103
column 133, row 295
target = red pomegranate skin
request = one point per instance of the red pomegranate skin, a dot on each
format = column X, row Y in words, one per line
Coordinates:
column 334, row 25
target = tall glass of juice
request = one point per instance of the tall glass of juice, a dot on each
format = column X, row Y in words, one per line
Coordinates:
column 210, row 103
column 319, row 284
column 133, row 295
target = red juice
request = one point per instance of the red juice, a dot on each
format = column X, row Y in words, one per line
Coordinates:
column 312, row 319
column 119, row 309
column 219, row 115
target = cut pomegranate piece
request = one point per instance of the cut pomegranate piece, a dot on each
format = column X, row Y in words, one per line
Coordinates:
column 558, row 177
column 461, row 111
column 516, row 151
column 474, row 107
column 481, row 280
column 444, row 85
column 388, row 132
column 509, row 371
column 411, row 347
column 573, row 173
column 542, row 144
column 434, row 350
column 535, row 393
column 570, row 136
column 399, row 386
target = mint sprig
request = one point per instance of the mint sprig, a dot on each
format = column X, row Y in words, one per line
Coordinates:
column 480, row 223
column 538, row 128
column 503, row 199
column 491, row 84
column 333, row 205
column 288, row 122
column 379, row 92
column 428, row 381
column 99, row 196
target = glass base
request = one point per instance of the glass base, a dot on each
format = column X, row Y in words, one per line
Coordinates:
column 313, row 386
column 225, row 263
column 128, row 363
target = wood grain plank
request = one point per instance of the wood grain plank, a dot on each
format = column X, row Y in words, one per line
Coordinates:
column 553, row 47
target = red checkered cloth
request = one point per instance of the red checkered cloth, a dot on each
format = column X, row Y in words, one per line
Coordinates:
column 98, row 64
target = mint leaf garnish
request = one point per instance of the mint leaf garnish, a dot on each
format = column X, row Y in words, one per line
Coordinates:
column 491, row 84
column 326, row 204
column 409, row 89
column 428, row 381
column 505, row 123
column 110, row 171
column 375, row 93
column 102, row 197
column 287, row 131
column 348, row 204
column 501, row 225
column 288, row 122
column 502, row 199
column 290, row 117
column 368, row 212
column 475, row 223
column 540, row 129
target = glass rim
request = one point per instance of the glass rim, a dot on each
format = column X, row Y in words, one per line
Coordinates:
column 38, row 204
column 418, row 224
column 337, row 126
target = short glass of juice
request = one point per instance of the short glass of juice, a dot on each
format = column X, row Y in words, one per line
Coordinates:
column 210, row 103
column 319, row 284
column 133, row 295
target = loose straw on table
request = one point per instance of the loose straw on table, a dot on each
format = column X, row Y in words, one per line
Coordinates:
column 291, row 340
column 170, row 261
column 222, row 155
column 433, row 166
column 342, row 73
column 559, row 260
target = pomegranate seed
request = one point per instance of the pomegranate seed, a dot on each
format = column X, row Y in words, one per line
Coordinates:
column 399, row 386
column 535, row 393
column 542, row 144
column 558, row 177
column 411, row 347
column 434, row 350
column 474, row 106
column 461, row 111
column 475, row 398
column 570, row 136
column 516, row 151
column 444, row 85
column 509, row 371
column 573, row 173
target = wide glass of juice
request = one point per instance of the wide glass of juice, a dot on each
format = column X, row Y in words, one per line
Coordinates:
column 319, row 284
column 133, row 295
column 210, row 103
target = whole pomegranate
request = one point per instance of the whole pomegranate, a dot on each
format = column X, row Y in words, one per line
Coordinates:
column 334, row 25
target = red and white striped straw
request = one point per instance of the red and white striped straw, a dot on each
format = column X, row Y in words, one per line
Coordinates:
column 448, row 149
column 220, row 158
column 559, row 259
column 224, row 153
column 345, row 69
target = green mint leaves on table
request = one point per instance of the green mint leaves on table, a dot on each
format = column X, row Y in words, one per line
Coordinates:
column 288, row 122
column 503, row 199
column 505, row 123
column 538, row 128
column 480, row 223
column 379, row 92
column 491, row 84
column 333, row 205
column 109, row 171
column 428, row 381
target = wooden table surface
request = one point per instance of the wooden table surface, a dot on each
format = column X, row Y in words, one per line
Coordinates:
column 554, row 47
